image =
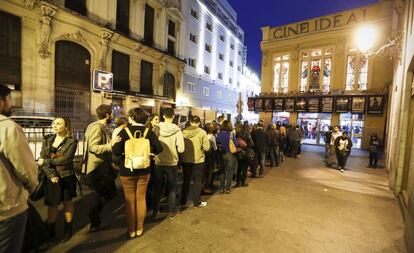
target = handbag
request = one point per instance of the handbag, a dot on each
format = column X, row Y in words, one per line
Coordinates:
column 232, row 146
column 242, row 143
column 39, row 191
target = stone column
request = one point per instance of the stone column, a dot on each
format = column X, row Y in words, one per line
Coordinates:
column 106, row 36
column 45, row 20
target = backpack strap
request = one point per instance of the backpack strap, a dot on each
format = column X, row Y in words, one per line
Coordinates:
column 145, row 132
column 129, row 133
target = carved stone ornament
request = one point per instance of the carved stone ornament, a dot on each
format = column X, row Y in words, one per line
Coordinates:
column 45, row 20
column 105, row 39
column 399, row 7
column 175, row 4
column 30, row 4
column 141, row 48
column 265, row 57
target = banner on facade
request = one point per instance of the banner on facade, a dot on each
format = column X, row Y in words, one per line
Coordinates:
column 102, row 80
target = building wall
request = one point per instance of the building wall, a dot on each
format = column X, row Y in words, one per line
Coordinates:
column 211, row 12
column 400, row 152
column 292, row 39
column 93, row 31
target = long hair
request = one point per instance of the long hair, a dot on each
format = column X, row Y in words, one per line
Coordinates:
column 68, row 125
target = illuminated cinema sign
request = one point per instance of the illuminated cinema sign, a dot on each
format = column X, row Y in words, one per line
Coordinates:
column 319, row 24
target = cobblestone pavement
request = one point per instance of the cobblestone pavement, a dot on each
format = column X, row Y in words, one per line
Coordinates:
column 300, row 206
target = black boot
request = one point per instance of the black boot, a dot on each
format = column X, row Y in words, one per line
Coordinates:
column 50, row 229
column 67, row 233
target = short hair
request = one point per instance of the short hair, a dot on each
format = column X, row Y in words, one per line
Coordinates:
column 4, row 91
column 345, row 132
column 209, row 128
column 220, row 117
column 102, row 110
column 120, row 121
column 139, row 115
column 195, row 119
column 227, row 126
column 331, row 128
column 259, row 125
column 168, row 113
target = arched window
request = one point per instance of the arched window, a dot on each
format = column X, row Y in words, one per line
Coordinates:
column 169, row 86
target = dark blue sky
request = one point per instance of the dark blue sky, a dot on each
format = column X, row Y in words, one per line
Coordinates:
column 252, row 15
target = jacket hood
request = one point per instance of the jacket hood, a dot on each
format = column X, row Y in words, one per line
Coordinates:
column 192, row 131
column 168, row 129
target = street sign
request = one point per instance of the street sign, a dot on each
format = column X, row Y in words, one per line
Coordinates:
column 102, row 80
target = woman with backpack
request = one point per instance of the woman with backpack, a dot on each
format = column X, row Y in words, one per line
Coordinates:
column 56, row 160
column 135, row 180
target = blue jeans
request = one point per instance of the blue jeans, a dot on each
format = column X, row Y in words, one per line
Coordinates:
column 170, row 173
column 12, row 233
column 261, row 157
column 228, row 170
column 192, row 172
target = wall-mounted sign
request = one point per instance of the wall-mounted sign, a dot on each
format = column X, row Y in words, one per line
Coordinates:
column 258, row 105
column 301, row 104
column 268, row 104
column 327, row 104
column 313, row 104
column 342, row 104
column 278, row 104
column 102, row 80
column 290, row 104
column 375, row 104
column 250, row 104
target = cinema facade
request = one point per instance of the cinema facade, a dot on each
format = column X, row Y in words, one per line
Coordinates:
column 314, row 76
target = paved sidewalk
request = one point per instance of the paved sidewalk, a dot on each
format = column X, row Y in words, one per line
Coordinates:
column 300, row 206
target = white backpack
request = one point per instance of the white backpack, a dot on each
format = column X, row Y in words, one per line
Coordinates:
column 137, row 151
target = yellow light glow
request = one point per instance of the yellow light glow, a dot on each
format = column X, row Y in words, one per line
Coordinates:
column 365, row 37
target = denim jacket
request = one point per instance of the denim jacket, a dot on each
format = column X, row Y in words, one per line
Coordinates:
column 60, row 165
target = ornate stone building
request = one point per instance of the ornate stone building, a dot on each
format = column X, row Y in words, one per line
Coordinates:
column 50, row 49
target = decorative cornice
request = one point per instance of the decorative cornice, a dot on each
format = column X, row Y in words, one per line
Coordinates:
column 30, row 4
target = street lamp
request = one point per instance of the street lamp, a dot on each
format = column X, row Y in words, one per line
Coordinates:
column 366, row 37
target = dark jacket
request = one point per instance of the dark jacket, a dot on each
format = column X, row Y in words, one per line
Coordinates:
column 374, row 145
column 348, row 147
column 118, row 150
column 261, row 140
column 274, row 135
column 61, row 165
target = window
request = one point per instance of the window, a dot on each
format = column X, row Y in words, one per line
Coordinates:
column 192, row 62
column 76, row 5
column 221, row 57
column 208, row 48
column 122, row 16
column 207, row 69
column 10, row 49
column 191, row 87
column 146, row 78
column 209, row 26
column 120, row 69
column 194, row 13
column 281, row 74
column 169, row 86
column 220, row 76
column 206, row 91
column 232, row 46
column 193, row 38
column 222, row 37
column 240, row 36
column 238, row 84
column 230, row 80
column 239, row 52
column 231, row 63
column 356, row 70
column 219, row 95
column 229, row 97
column 316, row 65
column 171, row 38
column 149, row 26
column 239, row 68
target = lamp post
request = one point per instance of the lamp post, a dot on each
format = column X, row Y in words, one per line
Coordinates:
column 367, row 35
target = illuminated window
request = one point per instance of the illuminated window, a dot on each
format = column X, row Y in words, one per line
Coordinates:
column 356, row 70
column 281, row 74
column 194, row 13
column 193, row 38
column 206, row 91
column 192, row 62
column 191, row 87
column 219, row 95
column 207, row 47
column 207, row 69
column 316, row 66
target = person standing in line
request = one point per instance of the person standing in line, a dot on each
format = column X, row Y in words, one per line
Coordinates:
column 261, row 142
column 343, row 147
column 152, row 123
column 374, row 150
column 98, row 170
column 210, row 161
column 282, row 130
column 56, row 160
column 335, row 134
column 274, row 144
column 244, row 156
column 121, row 123
column 166, row 163
column 327, row 140
column 18, row 177
column 135, row 181
column 230, row 163
column 295, row 139
column 196, row 144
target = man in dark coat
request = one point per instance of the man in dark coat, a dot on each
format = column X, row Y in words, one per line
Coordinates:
column 261, row 141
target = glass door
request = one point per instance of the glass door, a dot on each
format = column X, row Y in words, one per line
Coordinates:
column 354, row 125
column 314, row 126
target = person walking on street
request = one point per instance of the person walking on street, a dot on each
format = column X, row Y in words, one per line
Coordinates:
column 98, row 170
column 18, row 177
column 135, row 181
column 261, row 142
column 327, row 140
column 374, row 151
column 196, row 144
column 343, row 147
column 56, row 160
column 332, row 157
column 166, row 163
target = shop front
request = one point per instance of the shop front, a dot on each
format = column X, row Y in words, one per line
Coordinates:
column 353, row 123
column 314, row 126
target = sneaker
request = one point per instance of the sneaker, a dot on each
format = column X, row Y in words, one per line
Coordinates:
column 202, row 204
column 227, row 192
column 173, row 215
column 342, row 170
